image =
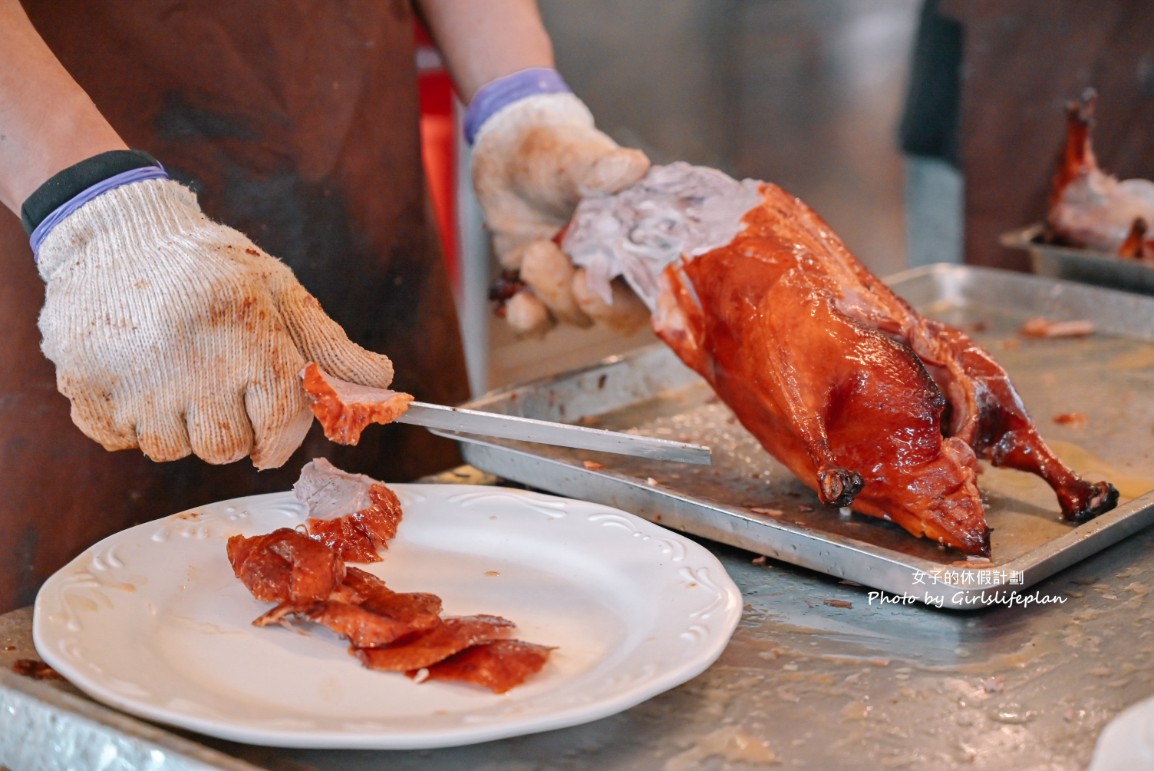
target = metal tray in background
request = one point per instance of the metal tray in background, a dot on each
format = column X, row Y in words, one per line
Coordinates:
column 1082, row 265
column 747, row 499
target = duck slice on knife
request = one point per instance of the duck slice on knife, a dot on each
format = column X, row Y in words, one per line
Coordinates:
column 872, row 405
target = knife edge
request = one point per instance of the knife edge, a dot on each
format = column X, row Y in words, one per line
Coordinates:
column 493, row 424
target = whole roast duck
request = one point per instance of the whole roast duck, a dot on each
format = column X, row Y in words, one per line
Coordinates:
column 1090, row 208
column 869, row 403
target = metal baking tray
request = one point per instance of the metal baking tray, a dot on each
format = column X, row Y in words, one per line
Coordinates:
column 1090, row 397
column 1081, row 265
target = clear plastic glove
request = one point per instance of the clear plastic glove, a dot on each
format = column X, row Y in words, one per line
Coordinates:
column 177, row 335
column 533, row 162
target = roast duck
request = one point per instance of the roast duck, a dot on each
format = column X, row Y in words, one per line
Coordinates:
column 872, row 405
column 1091, row 209
column 304, row 571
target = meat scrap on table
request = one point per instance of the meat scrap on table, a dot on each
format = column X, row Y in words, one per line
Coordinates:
column 1043, row 327
column 306, row 575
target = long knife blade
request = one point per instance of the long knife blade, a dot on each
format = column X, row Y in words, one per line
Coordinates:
column 465, row 421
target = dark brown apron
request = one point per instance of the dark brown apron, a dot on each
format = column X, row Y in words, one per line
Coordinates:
column 297, row 123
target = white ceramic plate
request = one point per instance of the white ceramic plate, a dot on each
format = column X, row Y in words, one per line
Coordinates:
column 152, row 621
column 1127, row 741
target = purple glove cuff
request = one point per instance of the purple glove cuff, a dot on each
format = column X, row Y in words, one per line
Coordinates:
column 502, row 92
column 57, row 216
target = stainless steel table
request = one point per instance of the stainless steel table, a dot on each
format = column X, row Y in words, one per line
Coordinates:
column 819, row 674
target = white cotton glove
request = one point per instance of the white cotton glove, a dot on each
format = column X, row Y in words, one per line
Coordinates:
column 177, row 335
column 533, row 162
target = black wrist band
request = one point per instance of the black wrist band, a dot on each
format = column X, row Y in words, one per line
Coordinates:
column 67, row 184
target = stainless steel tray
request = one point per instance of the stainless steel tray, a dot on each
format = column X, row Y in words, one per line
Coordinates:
column 1082, row 265
column 747, row 499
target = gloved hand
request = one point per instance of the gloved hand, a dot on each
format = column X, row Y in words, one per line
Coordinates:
column 178, row 335
column 534, row 158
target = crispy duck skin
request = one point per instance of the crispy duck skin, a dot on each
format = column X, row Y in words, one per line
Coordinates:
column 364, row 611
column 421, row 610
column 353, row 514
column 453, row 635
column 499, row 665
column 306, row 576
column 345, row 409
column 386, row 630
column 846, row 384
column 285, row 566
column 361, row 535
column 351, row 536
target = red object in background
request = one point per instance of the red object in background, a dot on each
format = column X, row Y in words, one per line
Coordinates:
column 439, row 145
